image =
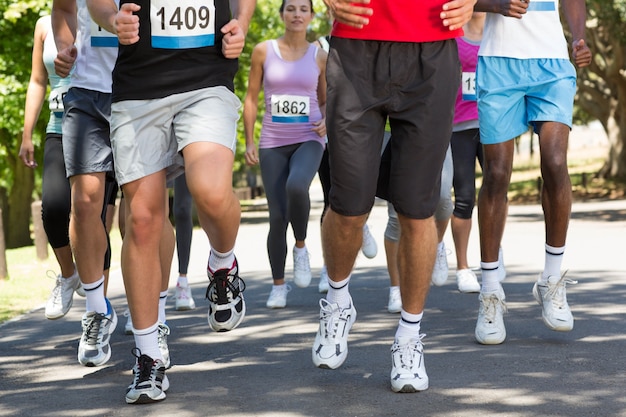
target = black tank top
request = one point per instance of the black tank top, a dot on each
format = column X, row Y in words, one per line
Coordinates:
column 179, row 50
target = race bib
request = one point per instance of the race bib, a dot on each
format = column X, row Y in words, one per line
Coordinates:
column 468, row 86
column 100, row 38
column 55, row 99
column 182, row 24
column 290, row 109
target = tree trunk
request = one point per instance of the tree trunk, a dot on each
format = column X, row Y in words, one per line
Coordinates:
column 17, row 228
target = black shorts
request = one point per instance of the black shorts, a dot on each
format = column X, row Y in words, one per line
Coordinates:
column 415, row 86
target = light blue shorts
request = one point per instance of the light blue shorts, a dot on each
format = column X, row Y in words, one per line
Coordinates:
column 147, row 136
column 515, row 93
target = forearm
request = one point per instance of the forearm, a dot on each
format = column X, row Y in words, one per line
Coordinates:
column 64, row 23
column 575, row 12
column 249, row 119
column 103, row 12
column 35, row 96
column 244, row 12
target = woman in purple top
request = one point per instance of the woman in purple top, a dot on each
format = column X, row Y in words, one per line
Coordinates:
column 291, row 72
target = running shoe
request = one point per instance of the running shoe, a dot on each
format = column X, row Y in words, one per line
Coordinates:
column 227, row 307
column 184, row 299
column 440, row 269
column 128, row 327
column 490, row 328
column 323, row 285
column 552, row 298
column 467, row 281
column 61, row 298
column 301, row 268
column 395, row 300
column 149, row 380
column 278, row 296
column 164, row 331
column 330, row 348
column 369, row 248
column 94, row 348
column 408, row 373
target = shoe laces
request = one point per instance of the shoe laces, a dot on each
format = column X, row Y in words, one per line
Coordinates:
column 332, row 316
column 162, row 333
column 144, row 367
column 91, row 332
column 409, row 354
column 556, row 291
column 490, row 306
column 220, row 285
column 301, row 260
column 442, row 258
column 182, row 293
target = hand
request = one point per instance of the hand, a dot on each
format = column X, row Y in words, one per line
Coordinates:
column 252, row 157
column 319, row 127
column 456, row 13
column 581, row 53
column 64, row 61
column 27, row 153
column 234, row 39
column 127, row 24
column 513, row 8
column 345, row 11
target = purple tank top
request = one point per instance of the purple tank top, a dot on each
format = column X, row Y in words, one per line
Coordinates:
column 290, row 99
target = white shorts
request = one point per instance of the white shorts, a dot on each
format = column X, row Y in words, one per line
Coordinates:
column 147, row 136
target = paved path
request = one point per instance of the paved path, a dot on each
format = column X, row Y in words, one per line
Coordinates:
column 263, row 368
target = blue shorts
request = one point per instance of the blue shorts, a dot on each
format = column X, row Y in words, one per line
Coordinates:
column 515, row 93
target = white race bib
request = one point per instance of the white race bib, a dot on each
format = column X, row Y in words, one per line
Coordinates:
column 287, row 108
column 55, row 99
column 100, row 38
column 468, row 86
column 182, row 24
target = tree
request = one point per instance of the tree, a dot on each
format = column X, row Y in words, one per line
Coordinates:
column 17, row 182
column 602, row 86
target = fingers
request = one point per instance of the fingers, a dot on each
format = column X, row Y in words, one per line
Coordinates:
column 234, row 39
column 351, row 14
column 456, row 13
column 127, row 24
column 64, row 61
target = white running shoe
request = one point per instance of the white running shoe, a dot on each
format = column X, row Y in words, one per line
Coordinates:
column 467, row 281
column 369, row 248
column 227, row 306
column 163, row 332
column 490, row 328
column 149, row 380
column 323, row 285
column 330, row 348
column 395, row 300
column 278, row 296
column 184, row 299
column 61, row 298
column 301, row 269
column 408, row 373
column 128, row 327
column 94, row 348
column 440, row 270
column 552, row 298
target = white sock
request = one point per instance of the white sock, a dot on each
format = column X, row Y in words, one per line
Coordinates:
column 94, row 296
column 183, row 281
column 338, row 292
column 409, row 325
column 218, row 260
column 490, row 281
column 554, row 259
column 162, row 302
column 147, row 341
column 299, row 251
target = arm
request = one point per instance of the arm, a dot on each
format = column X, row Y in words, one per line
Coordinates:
column 251, row 102
column 122, row 22
column 510, row 8
column 236, row 30
column 575, row 12
column 35, row 95
column 345, row 11
column 64, row 23
column 319, row 127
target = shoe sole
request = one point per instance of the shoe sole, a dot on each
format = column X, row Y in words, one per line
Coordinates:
column 408, row 388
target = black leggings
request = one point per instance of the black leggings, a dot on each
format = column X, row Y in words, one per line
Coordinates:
column 183, row 221
column 466, row 148
column 55, row 195
column 324, row 175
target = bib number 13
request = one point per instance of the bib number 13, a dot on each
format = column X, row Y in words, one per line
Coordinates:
column 182, row 25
